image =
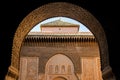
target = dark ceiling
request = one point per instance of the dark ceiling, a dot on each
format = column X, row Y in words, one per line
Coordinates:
column 13, row 12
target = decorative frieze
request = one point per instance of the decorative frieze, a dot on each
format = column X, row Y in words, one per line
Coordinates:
column 57, row 41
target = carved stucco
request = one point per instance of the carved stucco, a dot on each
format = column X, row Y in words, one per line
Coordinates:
column 55, row 10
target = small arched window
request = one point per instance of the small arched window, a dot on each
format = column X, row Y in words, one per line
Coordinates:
column 56, row 69
column 50, row 69
column 69, row 69
column 63, row 69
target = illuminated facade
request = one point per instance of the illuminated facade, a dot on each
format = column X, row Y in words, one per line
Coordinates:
column 68, row 43
column 60, row 52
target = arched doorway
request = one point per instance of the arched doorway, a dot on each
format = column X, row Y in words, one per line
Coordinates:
column 59, row 9
column 60, row 65
column 59, row 78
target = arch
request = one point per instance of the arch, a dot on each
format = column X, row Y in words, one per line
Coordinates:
column 72, row 57
column 57, row 62
column 55, row 10
column 59, row 78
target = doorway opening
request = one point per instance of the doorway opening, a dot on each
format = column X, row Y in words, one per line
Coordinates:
column 55, row 10
column 59, row 78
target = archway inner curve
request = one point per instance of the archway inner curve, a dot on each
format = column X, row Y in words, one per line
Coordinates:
column 59, row 78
